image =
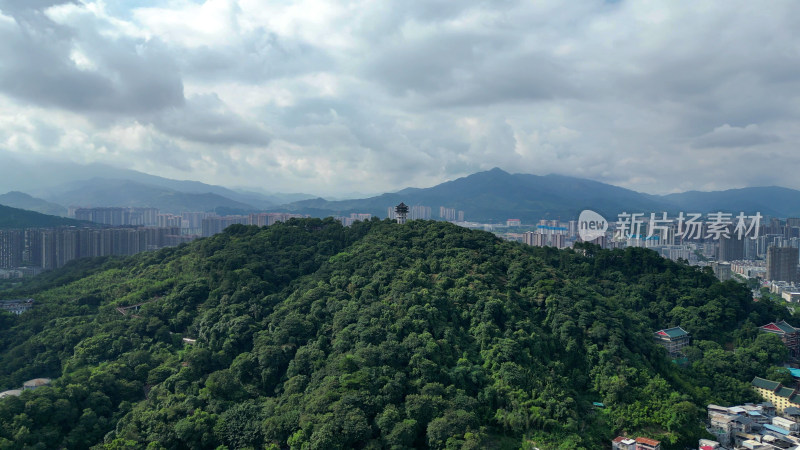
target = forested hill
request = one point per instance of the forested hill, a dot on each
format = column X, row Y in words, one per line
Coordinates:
column 426, row 335
column 22, row 218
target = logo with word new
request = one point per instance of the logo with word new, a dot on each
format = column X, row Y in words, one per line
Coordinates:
column 591, row 225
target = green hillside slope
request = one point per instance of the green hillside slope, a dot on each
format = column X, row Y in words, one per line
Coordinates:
column 423, row 335
column 21, row 218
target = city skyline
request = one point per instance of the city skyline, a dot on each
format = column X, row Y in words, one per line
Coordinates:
column 320, row 96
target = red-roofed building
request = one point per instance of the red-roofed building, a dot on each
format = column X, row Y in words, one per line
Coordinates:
column 788, row 334
column 673, row 339
column 643, row 443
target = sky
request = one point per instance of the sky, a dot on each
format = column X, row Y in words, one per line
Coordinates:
column 333, row 97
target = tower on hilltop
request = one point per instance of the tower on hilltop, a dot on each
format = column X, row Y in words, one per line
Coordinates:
column 402, row 211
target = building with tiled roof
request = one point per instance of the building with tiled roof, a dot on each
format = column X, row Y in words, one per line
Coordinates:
column 639, row 443
column 777, row 394
column 673, row 339
column 788, row 334
column 792, row 412
column 741, row 424
column 643, row 443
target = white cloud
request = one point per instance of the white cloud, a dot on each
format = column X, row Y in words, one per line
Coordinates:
column 335, row 96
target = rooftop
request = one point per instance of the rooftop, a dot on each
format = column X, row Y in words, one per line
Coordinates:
column 776, row 429
column 765, row 384
column 784, row 392
column 742, row 419
column 779, row 328
column 792, row 411
column 644, row 440
column 673, row 332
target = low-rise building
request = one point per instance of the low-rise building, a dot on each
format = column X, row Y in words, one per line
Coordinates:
column 707, row 444
column 639, row 443
column 673, row 339
column 774, row 392
column 623, row 443
column 792, row 413
column 741, row 424
column 788, row 334
column 758, row 418
column 643, row 443
column 719, row 418
column 17, row 306
column 786, row 424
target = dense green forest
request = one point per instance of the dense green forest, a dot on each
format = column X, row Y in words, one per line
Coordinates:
column 310, row 335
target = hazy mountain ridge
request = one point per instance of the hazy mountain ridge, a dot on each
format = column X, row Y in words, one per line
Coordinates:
column 773, row 201
column 496, row 195
column 489, row 196
column 45, row 178
column 21, row 200
column 100, row 192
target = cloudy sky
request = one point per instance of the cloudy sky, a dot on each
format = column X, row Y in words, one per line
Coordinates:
column 329, row 97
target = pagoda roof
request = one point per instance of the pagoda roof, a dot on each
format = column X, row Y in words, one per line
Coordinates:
column 673, row 332
column 780, row 327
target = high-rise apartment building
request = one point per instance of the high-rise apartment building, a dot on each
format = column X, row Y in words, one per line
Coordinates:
column 448, row 214
column 117, row 216
column 730, row 248
column 782, row 264
column 420, row 212
column 12, row 247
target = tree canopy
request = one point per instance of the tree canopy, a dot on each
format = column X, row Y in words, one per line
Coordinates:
column 309, row 335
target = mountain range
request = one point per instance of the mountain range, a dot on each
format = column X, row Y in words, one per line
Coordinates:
column 21, row 200
column 496, row 195
column 491, row 196
column 68, row 184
